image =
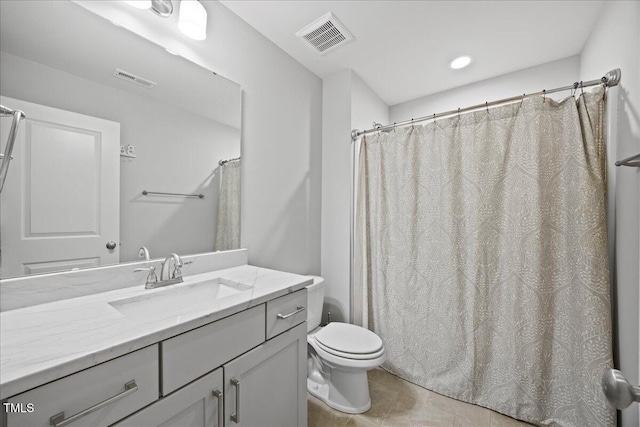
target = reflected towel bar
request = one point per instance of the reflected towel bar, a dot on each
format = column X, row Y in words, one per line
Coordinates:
column 633, row 161
column 148, row 193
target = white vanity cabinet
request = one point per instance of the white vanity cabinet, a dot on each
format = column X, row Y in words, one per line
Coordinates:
column 247, row 369
column 267, row 387
column 97, row 396
column 192, row 354
column 199, row 404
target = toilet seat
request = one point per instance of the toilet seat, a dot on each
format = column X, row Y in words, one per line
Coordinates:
column 349, row 341
column 354, row 356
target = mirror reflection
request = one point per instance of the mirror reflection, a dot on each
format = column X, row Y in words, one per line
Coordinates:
column 118, row 151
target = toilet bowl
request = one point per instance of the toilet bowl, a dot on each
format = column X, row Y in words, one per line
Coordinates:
column 339, row 356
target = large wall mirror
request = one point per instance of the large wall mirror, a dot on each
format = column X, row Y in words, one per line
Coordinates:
column 110, row 115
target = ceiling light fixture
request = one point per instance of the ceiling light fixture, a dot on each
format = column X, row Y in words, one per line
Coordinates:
column 460, row 62
column 139, row 4
column 193, row 19
column 163, row 8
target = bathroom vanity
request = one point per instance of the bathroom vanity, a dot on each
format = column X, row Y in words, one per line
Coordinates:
column 225, row 347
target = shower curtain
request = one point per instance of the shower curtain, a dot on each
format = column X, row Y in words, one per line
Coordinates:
column 228, row 221
column 483, row 248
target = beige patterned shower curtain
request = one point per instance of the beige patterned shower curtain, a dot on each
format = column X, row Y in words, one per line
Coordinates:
column 228, row 218
column 484, row 257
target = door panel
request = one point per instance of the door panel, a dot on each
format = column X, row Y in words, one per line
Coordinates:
column 272, row 383
column 61, row 201
column 194, row 405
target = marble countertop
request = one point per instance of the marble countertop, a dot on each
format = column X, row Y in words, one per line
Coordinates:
column 42, row 343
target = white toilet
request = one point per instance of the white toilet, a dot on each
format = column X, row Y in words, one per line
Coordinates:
column 339, row 356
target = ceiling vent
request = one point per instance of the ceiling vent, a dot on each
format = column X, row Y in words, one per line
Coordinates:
column 325, row 34
column 124, row 75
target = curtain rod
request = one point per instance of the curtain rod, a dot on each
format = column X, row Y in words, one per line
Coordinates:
column 612, row 78
column 224, row 162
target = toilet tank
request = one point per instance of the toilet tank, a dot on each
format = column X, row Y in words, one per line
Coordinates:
column 315, row 300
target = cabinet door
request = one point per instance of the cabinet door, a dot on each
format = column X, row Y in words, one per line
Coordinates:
column 198, row 404
column 267, row 387
column 96, row 397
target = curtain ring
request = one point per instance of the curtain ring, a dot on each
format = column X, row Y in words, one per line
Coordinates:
column 458, row 113
column 544, row 95
column 434, row 117
column 522, row 100
column 411, row 123
column 394, row 127
column 575, row 86
column 581, row 88
column 486, row 105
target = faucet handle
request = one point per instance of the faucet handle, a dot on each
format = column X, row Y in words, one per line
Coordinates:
column 152, row 279
column 177, row 262
column 177, row 272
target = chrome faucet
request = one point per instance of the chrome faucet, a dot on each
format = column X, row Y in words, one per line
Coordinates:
column 152, row 279
column 176, row 275
column 143, row 253
column 166, row 278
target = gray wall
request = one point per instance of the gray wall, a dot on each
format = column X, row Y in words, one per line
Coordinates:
column 176, row 152
column 347, row 103
column 615, row 43
column 549, row 75
column 281, row 130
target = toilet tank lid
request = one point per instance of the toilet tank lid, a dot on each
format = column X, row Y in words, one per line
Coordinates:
column 348, row 338
column 317, row 281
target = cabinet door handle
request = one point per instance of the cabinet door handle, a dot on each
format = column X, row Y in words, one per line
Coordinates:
column 235, row 417
column 285, row 316
column 218, row 394
column 58, row 420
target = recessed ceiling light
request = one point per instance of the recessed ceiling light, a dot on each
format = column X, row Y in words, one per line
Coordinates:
column 460, row 62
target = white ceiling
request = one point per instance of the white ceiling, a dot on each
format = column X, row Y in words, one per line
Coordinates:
column 402, row 48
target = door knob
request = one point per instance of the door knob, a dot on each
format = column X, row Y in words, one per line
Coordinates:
column 617, row 389
column 111, row 245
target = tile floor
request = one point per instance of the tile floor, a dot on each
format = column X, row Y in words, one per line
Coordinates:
column 398, row 403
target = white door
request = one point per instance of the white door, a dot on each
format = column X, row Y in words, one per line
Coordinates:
column 60, row 205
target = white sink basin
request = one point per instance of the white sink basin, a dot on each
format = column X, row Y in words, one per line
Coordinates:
column 177, row 300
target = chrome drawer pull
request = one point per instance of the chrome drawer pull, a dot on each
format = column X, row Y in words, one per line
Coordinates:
column 58, row 420
column 235, row 417
column 218, row 394
column 285, row 316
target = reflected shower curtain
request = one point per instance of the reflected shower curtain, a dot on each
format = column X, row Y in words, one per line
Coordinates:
column 228, row 221
column 484, row 257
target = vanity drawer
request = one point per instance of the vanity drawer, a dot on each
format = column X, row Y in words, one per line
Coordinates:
column 194, row 353
column 102, row 388
column 286, row 312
